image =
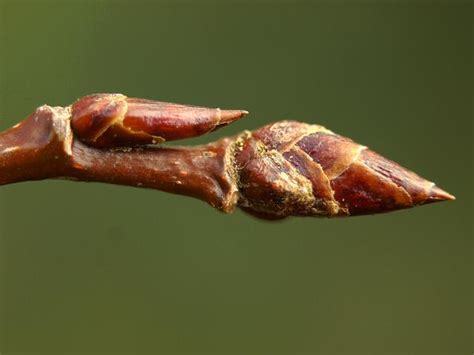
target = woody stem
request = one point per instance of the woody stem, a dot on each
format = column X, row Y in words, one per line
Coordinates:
column 198, row 171
column 43, row 146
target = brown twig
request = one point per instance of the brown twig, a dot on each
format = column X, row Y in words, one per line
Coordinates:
column 283, row 169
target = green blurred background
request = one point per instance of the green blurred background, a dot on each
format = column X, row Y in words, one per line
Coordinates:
column 93, row 267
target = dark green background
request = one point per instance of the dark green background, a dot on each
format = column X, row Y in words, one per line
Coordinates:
column 92, row 267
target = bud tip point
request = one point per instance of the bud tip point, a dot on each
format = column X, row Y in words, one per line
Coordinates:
column 438, row 194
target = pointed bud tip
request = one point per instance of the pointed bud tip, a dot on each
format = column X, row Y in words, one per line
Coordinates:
column 229, row 116
column 436, row 195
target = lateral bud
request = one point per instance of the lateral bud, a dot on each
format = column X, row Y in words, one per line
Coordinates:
column 114, row 120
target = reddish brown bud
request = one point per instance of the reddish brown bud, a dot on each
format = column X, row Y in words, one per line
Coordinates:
column 113, row 120
column 292, row 168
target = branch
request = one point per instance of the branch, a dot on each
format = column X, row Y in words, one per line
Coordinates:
column 284, row 169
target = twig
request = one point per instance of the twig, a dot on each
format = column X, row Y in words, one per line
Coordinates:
column 284, row 169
